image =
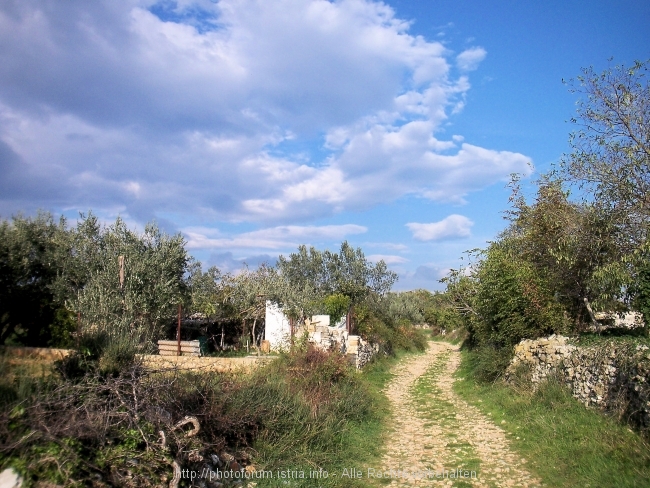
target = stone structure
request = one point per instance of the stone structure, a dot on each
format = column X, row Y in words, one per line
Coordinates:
column 611, row 376
column 319, row 332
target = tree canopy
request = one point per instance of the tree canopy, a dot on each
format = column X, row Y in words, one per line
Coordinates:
column 611, row 146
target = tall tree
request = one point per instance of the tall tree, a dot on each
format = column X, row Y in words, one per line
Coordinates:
column 611, row 147
column 347, row 273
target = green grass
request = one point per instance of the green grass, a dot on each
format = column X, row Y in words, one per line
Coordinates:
column 305, row 412
column 565, row 443
column 349, row 441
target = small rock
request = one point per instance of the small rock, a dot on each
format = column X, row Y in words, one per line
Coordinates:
column 10, row 479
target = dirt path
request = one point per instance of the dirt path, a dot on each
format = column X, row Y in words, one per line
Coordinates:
column 437, row 438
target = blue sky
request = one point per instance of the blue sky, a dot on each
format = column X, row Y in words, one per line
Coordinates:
column 253, row 126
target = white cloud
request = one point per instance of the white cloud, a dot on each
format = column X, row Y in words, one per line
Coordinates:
column 393, row 246
column 451, row 227
column 281, row 237
column 106, row 105
column 426, row 276
column 387, row 258
column 469, row 59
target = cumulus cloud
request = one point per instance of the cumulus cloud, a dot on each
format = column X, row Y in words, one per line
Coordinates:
column 191, row 108
column 451, row 227
column 469, row 59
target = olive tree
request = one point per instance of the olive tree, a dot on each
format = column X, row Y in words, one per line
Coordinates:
column 127, row 286
column 319, row 280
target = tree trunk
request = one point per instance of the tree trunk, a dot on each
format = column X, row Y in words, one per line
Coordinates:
column 591, row 315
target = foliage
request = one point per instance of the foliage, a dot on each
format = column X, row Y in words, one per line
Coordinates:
column 405, row 306
column 560, row 257
column 29, row 259
column 378, row 323
column 512, row 300
column 336, row 305
column 611, row 148
column 316, row 275
column 55, row 279
column 574, row 245
column 247, row 294
column 437, row 310
column 205, row 290
column 138, row 301
column 307, row 408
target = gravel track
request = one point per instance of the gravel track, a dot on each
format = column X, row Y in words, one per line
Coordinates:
column 434, row 432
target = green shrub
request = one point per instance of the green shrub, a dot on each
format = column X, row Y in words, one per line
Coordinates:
column 513, row 301
column 488, row 362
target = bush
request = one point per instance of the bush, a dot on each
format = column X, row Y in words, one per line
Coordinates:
column 488, row 363
column 295, row 413
column 513, row 301
column 375, row 322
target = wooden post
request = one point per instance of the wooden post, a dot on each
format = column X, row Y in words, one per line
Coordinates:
column 120, row 260
column 178, row 331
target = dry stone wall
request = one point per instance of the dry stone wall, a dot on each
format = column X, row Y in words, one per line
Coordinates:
column 610, row 376
column 358, row 351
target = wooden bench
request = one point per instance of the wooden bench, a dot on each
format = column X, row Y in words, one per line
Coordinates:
column 188, row 348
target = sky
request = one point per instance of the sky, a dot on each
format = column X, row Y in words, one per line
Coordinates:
column 254, row 126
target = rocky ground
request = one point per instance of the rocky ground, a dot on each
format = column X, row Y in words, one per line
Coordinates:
column 436, row 438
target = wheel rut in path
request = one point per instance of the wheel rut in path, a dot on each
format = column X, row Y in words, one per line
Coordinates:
column 434, row 433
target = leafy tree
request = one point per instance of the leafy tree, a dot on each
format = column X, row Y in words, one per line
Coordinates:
column 350, row 274
column 30, row 258
column 205, row 290
column 572, row 245
column 513, row 300
column 336, row 305
column 405, row 306
column 611, row 148
column 311, row 279
column 247, row 293
column 347, row 273
column 438, row 310
column 125, row 285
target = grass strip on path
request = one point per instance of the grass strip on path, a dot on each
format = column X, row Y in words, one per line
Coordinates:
column 433, row 407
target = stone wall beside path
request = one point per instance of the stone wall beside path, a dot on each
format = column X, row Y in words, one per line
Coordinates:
column 612, row 376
